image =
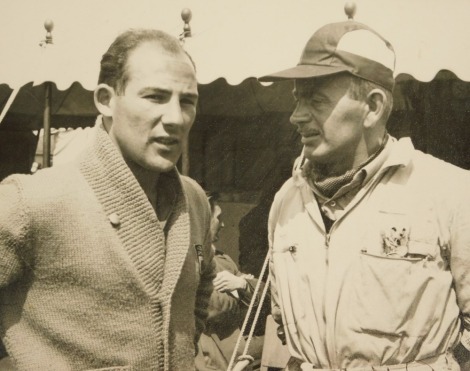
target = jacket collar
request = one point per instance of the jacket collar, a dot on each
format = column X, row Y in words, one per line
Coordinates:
column 399, row 153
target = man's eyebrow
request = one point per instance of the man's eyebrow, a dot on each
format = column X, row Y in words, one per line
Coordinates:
column 164, row 91
column 302, row 91
column 311, row 90
column 150, row 89
column 190, row 95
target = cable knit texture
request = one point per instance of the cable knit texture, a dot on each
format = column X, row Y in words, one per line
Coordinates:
column 87, row 280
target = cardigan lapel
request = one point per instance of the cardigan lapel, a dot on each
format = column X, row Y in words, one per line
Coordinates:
column 135, row 220
column 178, row 239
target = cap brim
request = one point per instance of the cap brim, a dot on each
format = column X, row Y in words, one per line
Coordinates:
column 304, row 71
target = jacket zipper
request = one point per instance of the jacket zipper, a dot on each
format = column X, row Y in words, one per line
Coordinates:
column 331, row 345
column 327, row 247
column 329, row 340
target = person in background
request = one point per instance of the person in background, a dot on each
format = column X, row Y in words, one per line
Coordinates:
column 253, row 242
column 253, row 227
column 369, row 238
column 232, row 294
column 105, row 262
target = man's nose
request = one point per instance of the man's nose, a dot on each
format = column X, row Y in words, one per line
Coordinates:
column 301, row 114
column 173, row 114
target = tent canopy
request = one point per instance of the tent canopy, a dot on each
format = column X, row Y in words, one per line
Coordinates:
column 233, row 42
column 232, row 39
column 74, row 107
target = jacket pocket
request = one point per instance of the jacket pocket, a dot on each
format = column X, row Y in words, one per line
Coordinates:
column 290, row 281
column 395, row 296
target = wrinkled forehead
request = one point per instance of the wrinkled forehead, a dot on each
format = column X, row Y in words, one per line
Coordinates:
column 336, row 82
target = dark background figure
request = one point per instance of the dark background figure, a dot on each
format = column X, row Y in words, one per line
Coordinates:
column 253, row 235
column 3, row 352
column 253, row 227
column 233, row 292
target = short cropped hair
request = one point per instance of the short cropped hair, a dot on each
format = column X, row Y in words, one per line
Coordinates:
column 113, row 71
column 360, row 88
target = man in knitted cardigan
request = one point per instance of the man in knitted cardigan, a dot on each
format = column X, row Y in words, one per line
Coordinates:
column 105, row 263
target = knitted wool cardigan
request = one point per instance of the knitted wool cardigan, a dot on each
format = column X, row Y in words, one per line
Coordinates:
column 88, row 279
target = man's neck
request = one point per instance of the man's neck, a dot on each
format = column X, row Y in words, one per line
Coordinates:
column 148, row 181
column 159, row 193
column 349, row 162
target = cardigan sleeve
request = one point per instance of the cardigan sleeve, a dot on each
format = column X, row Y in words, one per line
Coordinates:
column 13, row 232
column 205, row 287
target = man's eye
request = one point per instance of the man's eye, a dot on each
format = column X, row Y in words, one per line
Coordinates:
column 189, row 102
column 155, row 97
column 317, row 100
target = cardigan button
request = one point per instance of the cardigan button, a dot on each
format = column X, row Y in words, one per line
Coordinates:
column 114, row 219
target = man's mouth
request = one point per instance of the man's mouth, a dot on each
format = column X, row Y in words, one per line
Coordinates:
column 167, row 141
column 309, row 133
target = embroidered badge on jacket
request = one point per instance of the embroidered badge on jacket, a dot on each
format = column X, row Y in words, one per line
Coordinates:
column 395, row 240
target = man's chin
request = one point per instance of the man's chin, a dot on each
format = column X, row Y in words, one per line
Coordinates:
column 317, row 154
column 163, row 169
column 161, row 166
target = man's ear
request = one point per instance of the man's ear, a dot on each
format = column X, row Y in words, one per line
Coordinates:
column 376, row 100
column 103, row 97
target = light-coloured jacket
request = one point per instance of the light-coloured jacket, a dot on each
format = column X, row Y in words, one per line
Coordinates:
column 88, row 278
column 352, row 297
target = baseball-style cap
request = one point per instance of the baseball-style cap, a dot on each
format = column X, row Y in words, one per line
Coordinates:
column 347, row 46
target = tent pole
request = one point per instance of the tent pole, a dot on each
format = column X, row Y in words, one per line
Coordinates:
column 46, row 137
column 46, row 151
column 7, row 106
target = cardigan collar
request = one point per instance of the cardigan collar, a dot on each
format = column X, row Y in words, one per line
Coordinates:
column 131, row 214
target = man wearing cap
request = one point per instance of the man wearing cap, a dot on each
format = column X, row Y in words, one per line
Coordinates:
column 369, row 238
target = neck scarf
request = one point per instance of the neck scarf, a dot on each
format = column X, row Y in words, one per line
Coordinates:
column 329, row 185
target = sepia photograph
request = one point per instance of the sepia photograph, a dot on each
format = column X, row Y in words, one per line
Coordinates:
column 235, row 185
